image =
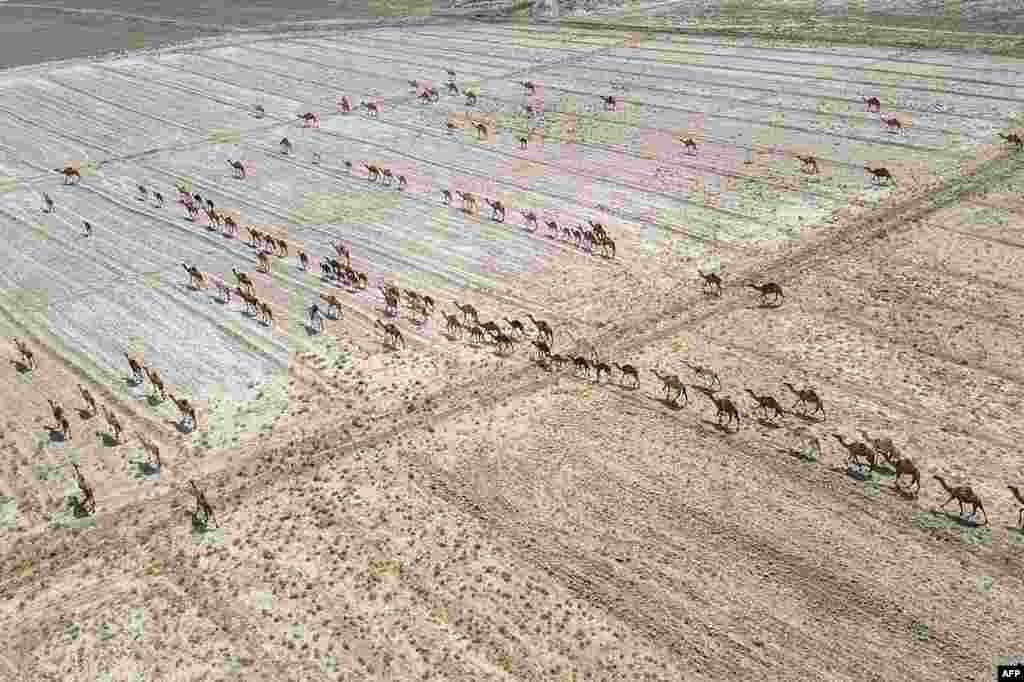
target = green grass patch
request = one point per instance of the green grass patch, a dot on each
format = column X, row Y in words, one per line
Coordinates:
column 71, row 632
column 1015, row 536
column 400, row 8
column 263, row 600
column 8, row 512
column 232, row 664
column 296, row 632
column 104, row 632
column 976, row 536
column 983, row 583
column 328, row 664
column 136, row 617
column 8, row 183
column 224, row 136
column 337, row 208
column 919, row 631
column 932, row 520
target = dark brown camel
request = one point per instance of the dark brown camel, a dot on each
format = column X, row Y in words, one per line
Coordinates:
column 87, row 397
column 809, row 164
column 628, row 370
column 497, row 209
column 709, row 375
column 70, row 173
column 86, row 505
column 239, row 168
column 543, row 328
column 670, row 383
column 712, row 282
column 689, row 145
column 1014, row 139
column 857, row 451
column 879, row 174
column 27, row 356
column 769, row 288
column 963, row 494
column 154, row 378
column 1020, row 500
column 202, row 505
column 468, row 311
column 805, row 397
column 391, row 330
column 766, row 404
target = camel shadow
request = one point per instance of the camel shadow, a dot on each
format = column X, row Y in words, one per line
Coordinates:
column 20, row 367
column 769, row 306
column 180, row 426
column 132, row 380
column 153, row 400
column 965, row 520
column 387, row 312
column 858, row 472
column 106, row 439
column 798, row 455
column 768, row 423
column 84, row 414
column 720, row 427
column 56, row 435
column 806, row 418
column 671, row 404
column 450, row 336
column 311, row 330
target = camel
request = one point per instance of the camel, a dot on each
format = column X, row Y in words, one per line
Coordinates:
column 470, row 98
column 452, row 324
column 504, row 342
column 1014, row 139
column 251, row 302
column 579, row 362
column 402, row 182
column 154, row 378
column 724, row 407
column 516, row 326
column 583, row 346
column 87, row 397
column 238, row 167
column 883, row 446
column 689, row 145
column 373, row 172
column 766, row 404
column 259, row 111
column 529, row 217
column 446, row 197
column 1020, row 500
column 892, row 124
column 186, row 408
column 481, row 130
column 420, row 306
column 267, row 312
column 671, row 382
column 598, row 228
column 628, row 370
column 491, row 327
column 87, row 505
column 195, row 278
column 469, row 204
column 451, row 73
column 607, row 245
column 342, row 250
column 135, row 366
column 805, row 397
column 344, row 106
column 333, row 304
column 244, row 280
column 392, row 332
column 523, row 142
column 552, row 226
column 453, row 89
column 879, row 174
column 903, row 466
column 543, row 328
column 602, row 367
column 58, row 411
column 451, row 126
column 476, row 334
column 65, row 427
column 309, row 119
column 150, row 447
column 70, row 173
column 712, row 282
column 303, row 260
column 391, row 302
column 214, row 217
column 558, row 360
column 230, row 226
column 769, row 288
column 609, row 102
column 88, row 228
column 263, row 262
column 873, row 104
column 48, row 203
column 386, row 176
column 316, row 318
column 27, row 356
column 430, row 96
column 222, row 288
column 497, row 209
column 113, row 422
column 159, row 198
column 706, row 373
column 542, row 348
column 143, row 192
column 809, row 164
column 531, row 87
column 202, row 505
column 282, row 246
column 286, row 146
column 963, row 494
column 857, row 450
column 372, row 109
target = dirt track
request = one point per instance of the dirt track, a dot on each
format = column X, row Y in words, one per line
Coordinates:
column 447, row 510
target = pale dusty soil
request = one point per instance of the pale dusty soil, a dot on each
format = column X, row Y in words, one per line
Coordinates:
column 446, row 512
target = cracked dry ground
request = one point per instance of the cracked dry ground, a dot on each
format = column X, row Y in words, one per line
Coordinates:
column 538, row 525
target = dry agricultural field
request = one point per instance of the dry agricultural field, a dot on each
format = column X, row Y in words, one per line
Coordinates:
column 447, row 509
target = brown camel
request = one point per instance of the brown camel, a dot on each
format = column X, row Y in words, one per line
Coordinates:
column 202, row 505
column 186, row 408
column 542, row 348
column 48, row 203
column 135, row 366
column 712, row 282
column 963, row 494
column 469, row 204
column 903, row 466
column 286, row 146
column 630, row 371
column 689, row 145
column 195, row 278
column 724, row 407
column 386, row 176
column 769, row 288
column 154, row 378
column 809, row 164
column 671, row 382
column 58, row 411
column 113, row 422
column 452, row 324
column 70, row 173
column 524, row 141
column 267, row 312
column 580, row 363
column 873, row 104
column 516, row 326
column 602, row 368
column 879, row 174
column 766, row 404
column 504, row 343
column 403, row 182
column 310, row 119
column 27, row 356
column 392, row 332
column 806, row 397
column 333, row 304
column 481, row 131
column 316, row 318
column 1020, row 500
column 857, row 450
column 150, row 447
column 1014, row 139
column 86, row 505
column 892, row 124
column 87, row 397
column 372, row 109
column 709, row 375
column 251, row 302
column 244, row 280
column 543, row 328
column 497, row 209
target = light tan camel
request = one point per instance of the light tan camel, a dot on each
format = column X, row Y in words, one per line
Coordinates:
column 963, row 494
column 27, row 356
column 113, row 422
column 154, row 378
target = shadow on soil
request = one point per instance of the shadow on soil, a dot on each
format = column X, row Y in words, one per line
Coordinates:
column 106, row 439
column 20, row 367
